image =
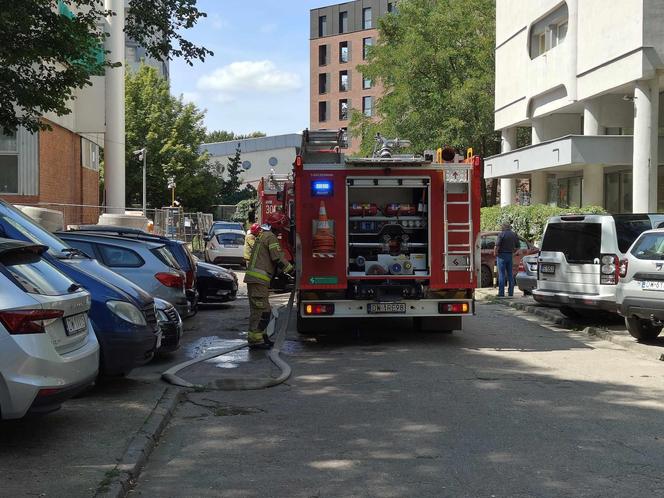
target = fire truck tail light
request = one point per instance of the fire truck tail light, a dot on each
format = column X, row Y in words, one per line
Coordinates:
column 319, row 309
column 453, row 308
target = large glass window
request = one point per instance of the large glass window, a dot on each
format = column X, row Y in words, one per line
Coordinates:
column 343, row 109
column 8, row 162
column 366, row 43
column 322, row 26
column 366, row 83
column 366, row 18
column 322, row 83
column 344, row 81
column 322, row 55
column 618, row 192
column 343, row 22
column 367, row 106
column 569, row 192
column 344, row 54
column 549, row 32
column 322, row 111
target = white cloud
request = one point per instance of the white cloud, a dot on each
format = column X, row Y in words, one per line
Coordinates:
column 246, row 77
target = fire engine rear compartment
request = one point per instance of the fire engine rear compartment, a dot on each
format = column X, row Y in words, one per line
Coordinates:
column 388, row 227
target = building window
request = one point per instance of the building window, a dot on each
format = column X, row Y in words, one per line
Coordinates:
column 618, row 192
column 343, row 109
column 366, row 18
column 569, row 192
column 8, row 163
column 390, row 7
column 322, row 26
column 344, row 81
column 366, row 83
column 549, row 32
column 89, row 155
column 366, row 43
column 344, row 54
column 322, row 83
column 343, row 22
column 322, row 111
column 367, row 106
column 322, row 55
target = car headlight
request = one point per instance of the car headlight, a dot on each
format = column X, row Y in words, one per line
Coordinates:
column 222, row 276
column 161, row 316
column 127, row 311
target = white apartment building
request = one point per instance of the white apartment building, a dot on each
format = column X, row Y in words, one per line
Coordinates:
column 586, row 75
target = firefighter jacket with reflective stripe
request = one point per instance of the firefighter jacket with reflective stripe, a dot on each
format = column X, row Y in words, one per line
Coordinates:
column 266, row 256
column 249, row 242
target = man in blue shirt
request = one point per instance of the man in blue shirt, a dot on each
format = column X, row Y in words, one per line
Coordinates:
column 506, row 246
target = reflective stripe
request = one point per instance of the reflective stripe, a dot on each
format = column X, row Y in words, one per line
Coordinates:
column 260, row 276
column 274, row 246
column 254, row 252
column 288, row 268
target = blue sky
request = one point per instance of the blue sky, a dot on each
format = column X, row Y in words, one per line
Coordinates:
column 258, row 78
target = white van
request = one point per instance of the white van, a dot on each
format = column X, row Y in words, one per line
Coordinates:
column 579, row 262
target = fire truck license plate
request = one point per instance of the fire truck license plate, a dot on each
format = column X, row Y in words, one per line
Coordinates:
column 378, row 308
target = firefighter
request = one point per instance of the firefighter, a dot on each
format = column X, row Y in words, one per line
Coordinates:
column 249, row 241
column 266, row 259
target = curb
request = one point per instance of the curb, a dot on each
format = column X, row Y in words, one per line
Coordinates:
column 140, row 447
column 626, row 342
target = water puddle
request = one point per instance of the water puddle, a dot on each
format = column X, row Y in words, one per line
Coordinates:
column 210, row 344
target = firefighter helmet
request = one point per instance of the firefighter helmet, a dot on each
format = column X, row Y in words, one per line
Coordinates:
column 255, row 229
column 278, row 221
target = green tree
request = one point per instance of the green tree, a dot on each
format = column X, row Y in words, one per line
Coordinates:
column 172, row 133
column 435, row 59
column 227, row 136
column 232, row 191
column 46, row 51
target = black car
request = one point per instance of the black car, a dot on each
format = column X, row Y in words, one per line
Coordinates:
column 215, row 284
column 170, row 324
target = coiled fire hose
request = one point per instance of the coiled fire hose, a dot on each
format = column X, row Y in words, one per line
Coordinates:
column 242, row 383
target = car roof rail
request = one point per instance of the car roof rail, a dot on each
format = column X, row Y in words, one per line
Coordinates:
column 113, row 230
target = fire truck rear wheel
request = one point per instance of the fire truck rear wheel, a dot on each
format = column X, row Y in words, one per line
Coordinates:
column 306, row 326
column 486, row 277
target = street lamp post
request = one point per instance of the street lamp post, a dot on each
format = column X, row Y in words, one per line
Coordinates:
column 143, row 154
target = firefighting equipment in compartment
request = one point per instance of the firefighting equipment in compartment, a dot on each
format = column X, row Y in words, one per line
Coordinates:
column 400, row 209
column 363, row 209
column 266, row 258
column 323, row 238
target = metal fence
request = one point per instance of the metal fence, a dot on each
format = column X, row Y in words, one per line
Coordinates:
column 170, row 222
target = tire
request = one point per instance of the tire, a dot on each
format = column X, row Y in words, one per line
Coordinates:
column 572, row 313
column 527, row 293
column 442, row 325
column 486, row 277
column 642, row 330
column 306, row 326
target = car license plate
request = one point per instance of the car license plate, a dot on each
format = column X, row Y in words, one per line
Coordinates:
column 234, row 246
column 380, row 308
column 655, row 285
column 76, row 324
column 547, row 268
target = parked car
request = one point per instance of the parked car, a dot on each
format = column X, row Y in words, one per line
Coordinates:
column 177, row 248
column 148, row 264
column 225, row 247
column 580, row 260
column 526, row 277
column 48, row 350
column 170, row 324
column 122, row 314
column 640, row 295
column 216, row 284
column 487, row 245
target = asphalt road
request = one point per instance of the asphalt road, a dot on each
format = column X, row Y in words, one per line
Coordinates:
column 506, row 408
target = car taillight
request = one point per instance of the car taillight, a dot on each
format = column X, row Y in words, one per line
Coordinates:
column 623, row 268
column 174, row 280
column 319, row 309
column 189, row 283
column 521, row 267
column 19, row 322
column 609, row 269
column 448, row 308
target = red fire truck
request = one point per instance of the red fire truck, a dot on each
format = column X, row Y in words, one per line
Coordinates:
column 387, row 236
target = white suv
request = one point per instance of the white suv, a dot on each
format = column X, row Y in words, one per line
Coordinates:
column 579, row 262
column 48, row 350
column 641, row 290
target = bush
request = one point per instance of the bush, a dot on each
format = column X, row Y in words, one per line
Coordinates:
column 528, row 221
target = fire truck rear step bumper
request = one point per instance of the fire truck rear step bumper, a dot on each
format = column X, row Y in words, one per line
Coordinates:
column 414, row 308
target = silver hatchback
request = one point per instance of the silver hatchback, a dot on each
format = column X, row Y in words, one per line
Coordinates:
column 48, row 350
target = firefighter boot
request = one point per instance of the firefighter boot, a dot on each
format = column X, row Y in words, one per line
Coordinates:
column 256, row 341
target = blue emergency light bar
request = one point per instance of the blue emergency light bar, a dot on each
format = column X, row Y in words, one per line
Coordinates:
column 322, row 188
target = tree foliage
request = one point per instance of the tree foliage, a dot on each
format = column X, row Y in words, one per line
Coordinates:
column 435, row 59
column 227, row 136
column 172, row 133
column 232, row 191
column 46, row 52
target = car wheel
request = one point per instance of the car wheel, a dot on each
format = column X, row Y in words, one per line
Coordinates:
column 306, row 326
column 571, row 313
column 527, row 293
column 486, row 277
column 442, row 325
column 642, row 330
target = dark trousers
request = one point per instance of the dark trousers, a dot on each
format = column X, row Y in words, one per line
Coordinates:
column 505, row 272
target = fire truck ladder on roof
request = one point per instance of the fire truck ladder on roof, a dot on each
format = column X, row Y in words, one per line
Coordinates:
column 458, row 256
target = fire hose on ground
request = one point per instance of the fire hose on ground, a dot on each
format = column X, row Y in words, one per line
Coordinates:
column 236, row 383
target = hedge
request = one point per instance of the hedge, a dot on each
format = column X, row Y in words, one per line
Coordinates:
column 528, row 221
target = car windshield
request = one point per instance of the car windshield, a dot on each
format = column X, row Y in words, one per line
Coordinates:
column 226, row 225
column 579, row 242
column 32, row 231
column 230, row 238
column 166, row 257
column 649, row 246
